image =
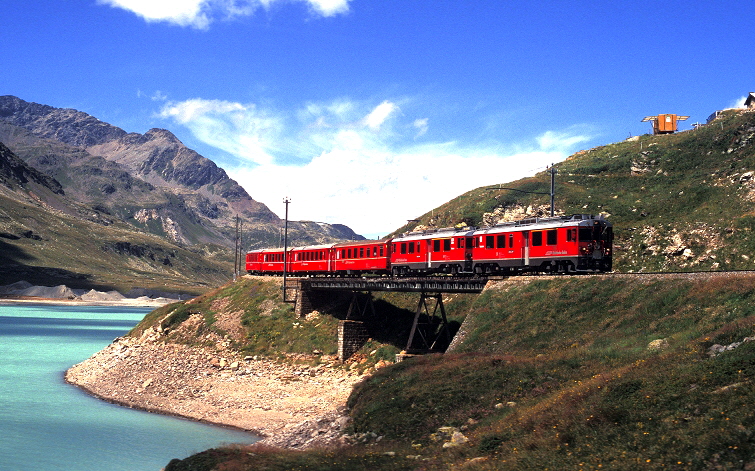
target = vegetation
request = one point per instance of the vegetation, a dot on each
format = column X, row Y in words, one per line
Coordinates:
column 581, row 372
column 559, row 374
column 48, row 248
column 693, row 190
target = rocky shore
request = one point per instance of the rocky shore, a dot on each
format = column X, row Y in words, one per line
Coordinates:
column 289, row 406
column 25, row 292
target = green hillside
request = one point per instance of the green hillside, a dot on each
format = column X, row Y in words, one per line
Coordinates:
column 91, row 250
column 683, row 201
column 558, row 373
column 603, row 372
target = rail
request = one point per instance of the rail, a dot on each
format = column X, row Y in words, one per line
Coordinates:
column 406, row 285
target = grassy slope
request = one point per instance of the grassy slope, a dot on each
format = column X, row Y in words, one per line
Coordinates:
column 91, row 255
column 569, row 361
column 570, row 355
column 685, row 187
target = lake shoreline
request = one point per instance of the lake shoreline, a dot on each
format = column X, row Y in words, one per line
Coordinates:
column 8, row 300
column 286, row 405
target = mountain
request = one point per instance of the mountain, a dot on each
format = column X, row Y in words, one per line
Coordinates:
column 683, row 201
column 49, row 239
column 151, row 180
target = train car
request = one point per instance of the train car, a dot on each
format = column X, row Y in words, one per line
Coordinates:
column 361, row 257
column 433, row 251
column 581, row 243
column 265, row 261
column 311, row 260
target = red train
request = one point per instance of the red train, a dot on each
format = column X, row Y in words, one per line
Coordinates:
column 581, row 243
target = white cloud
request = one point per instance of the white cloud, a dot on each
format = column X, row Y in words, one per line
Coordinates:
column 421, row 125
column 200, row 13
column 560, row 141
column 241, row 130
column 329, row 7
column 738, row 103
column 379, row 115
column 372, row 182
column 180, row 12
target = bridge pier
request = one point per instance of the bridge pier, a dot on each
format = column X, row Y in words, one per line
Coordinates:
column 352, row 332
column 352, row 335
column 425, row 336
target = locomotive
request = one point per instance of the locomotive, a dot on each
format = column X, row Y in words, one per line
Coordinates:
column 581, row 243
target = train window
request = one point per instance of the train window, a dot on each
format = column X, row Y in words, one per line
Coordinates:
column 419, row 246
column 436, row 245
column 349, row 253
column 361, row 252
column 446, row 244
column 571, row 235
column 551, row 237
column 537, row 238
column 490, row 242
column 403, row 247
column 461, row 242
column 511, row 240
column 411, row 247
column 501, row 241
column 585, row 233
column 381, row 250
column 471, row 242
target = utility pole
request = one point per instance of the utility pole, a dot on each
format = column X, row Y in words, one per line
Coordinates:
column 286, row 201
column 236, row 251
column 552, row 171
column 241, row 245
column 553, row 189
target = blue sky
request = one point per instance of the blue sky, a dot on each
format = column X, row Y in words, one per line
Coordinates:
column 369, row 113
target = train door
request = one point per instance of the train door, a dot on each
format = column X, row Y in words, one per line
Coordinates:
column 526, row 248
column 469, row 244
column 428, row 253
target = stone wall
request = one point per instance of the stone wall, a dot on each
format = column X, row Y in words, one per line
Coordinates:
column 352, row 335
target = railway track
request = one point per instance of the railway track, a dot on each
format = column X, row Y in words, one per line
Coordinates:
column 647, row 275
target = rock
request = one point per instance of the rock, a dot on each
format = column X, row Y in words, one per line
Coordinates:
column 474, row 461
column 659, row 344
column 457, row 439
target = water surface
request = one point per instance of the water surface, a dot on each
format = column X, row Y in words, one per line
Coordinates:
column 47, row 424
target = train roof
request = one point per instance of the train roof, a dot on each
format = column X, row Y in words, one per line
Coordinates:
column 314, row 247
column 529, row 223
column 435, row 233
column 358, row 242
column 275, row 249
column 537, row 223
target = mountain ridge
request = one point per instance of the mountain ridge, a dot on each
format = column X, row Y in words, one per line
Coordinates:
column 189, row 192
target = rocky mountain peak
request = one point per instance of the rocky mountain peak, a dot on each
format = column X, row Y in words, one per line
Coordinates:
column 124, row 173
column 162, row 135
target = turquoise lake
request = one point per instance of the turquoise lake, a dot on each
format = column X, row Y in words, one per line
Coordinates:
column 47, row 424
